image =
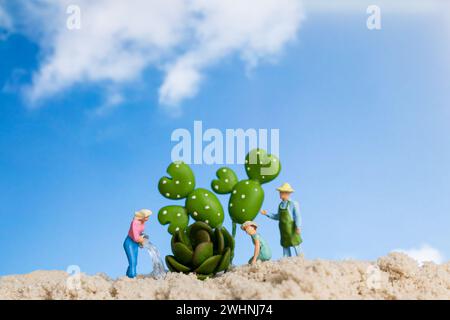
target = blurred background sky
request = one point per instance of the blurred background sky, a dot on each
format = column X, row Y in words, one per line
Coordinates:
column 86, row 118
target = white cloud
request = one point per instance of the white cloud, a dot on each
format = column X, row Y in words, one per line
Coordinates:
column 120, row 39
column 6, row 24
column 423, row 254
column 387, row 6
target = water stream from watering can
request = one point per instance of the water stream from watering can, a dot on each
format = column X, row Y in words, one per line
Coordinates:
column 158, row 266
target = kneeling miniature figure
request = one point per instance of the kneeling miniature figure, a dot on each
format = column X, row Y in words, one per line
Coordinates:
column 262, row 250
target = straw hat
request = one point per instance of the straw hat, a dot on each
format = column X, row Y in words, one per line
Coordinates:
column 286, row 187
column 249, row 223
column 142, row 214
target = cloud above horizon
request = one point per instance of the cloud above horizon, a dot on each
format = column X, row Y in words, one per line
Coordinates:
column 425, row 253
column 119, row 40
column 5, row 23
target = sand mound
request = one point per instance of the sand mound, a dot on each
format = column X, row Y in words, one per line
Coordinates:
column 393, row 277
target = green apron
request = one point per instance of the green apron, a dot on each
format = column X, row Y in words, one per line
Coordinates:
column 289, row 238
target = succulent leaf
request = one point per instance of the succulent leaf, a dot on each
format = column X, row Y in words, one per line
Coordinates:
column 175, row 216
column 175, row 266
column 227, row 179
column 183, row 253
column 261, row 166
column 203, row 205
column 225, row 262
column 209, row 265
column 179, row 184
column 220, row 241
column 228, row 238
column 202, row 252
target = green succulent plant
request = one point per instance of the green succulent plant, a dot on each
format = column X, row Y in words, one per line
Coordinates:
column 205, row 247
column 201, row 249
column 247, row 196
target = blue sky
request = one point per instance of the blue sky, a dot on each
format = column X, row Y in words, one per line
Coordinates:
column 363, row 118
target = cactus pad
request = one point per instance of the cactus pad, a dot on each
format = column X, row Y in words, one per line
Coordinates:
column 203, row 205
column 261, row 166
column 175, row 216
column 246, row 200
column 180, row 183
column 226, row 181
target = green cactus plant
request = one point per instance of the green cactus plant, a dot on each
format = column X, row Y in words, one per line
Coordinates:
column 201, row 249
column 247, row 196
column 205, row 247
column 200, row 204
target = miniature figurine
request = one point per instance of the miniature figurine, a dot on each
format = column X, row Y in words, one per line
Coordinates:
column 135, row 239
column 262, row 250
column 289, row 219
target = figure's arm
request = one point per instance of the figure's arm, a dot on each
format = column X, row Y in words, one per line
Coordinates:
column 273, row 216
column 134, row 230
column 296, row 215
column 257, row 249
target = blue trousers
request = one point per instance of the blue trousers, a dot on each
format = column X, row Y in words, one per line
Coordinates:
column 287, row 251
column 131, row 249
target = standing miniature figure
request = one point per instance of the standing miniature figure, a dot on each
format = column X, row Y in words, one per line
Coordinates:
column 289, row 219
column 262, row 250
column 135, row 239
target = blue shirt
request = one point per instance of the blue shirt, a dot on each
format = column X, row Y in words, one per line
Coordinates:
column 264, row 250
column 293, row 209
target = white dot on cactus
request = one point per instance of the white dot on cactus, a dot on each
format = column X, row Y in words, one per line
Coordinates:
column 190, row 182
column 218, row 214
column 243, row 196
column 206, row 221
column 165, row 212
column 243, row 210
column 246, row 182
column 193, row 197
column 263, row 177
column 168, row 194
column 246, row 161
column 248, row 168
column 234, row 191
column 231, row 204
column 195, row 214
column 178, row 214
column 256, row 189
column 206, row 194
column 177, row 166
column 206, row 207
column 224, row 170
column 216, row 187
column 274, row 160
column 177, row 182
column 164, row 182
column 226, row 180
column 178, row 196
column 177, row 229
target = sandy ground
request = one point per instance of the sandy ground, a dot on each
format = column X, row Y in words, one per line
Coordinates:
column 392, row 277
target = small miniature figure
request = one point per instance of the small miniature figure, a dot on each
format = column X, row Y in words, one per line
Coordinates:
column 262, row 250
column 289, row 219
column 135, row 239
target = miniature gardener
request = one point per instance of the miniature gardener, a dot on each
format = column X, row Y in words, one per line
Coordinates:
column 262, row 250
column 289, row 219
column 135, row 239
